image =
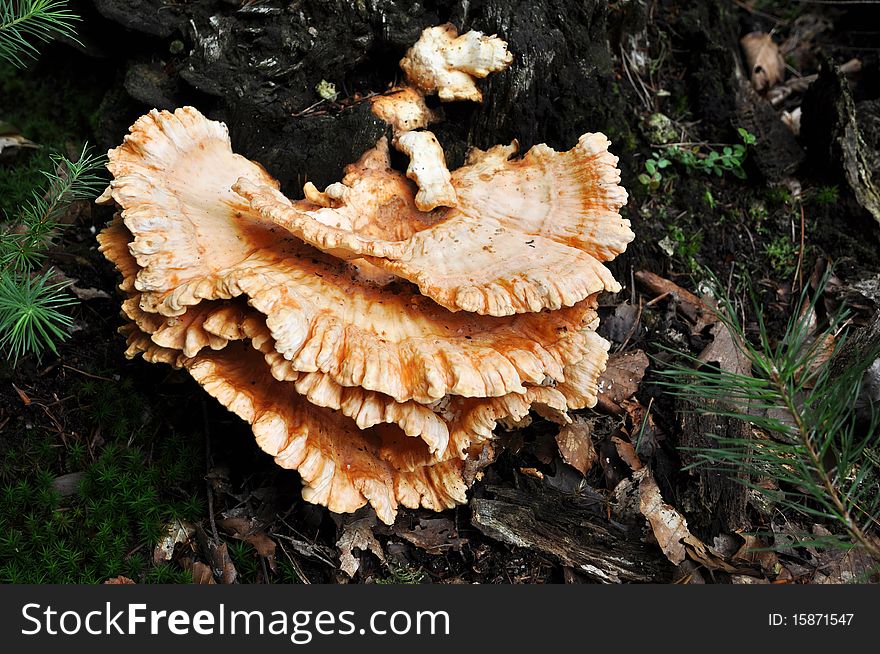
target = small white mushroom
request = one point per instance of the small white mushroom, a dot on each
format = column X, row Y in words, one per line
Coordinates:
column 447, row 64
column 427, row 168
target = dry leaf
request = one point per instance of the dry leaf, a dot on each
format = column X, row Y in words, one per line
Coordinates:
column 754, row 552
column 623, row 324
column 357, row 534
column 176, row 531
column 248, row 530
column 670, row 527
column 201, row 573
column 576, row 446
column 627, row 452
column 644, row 433
column 765, row 64
column 22, row 395
column 224, row 569
column 621, row 379
column 120, row 580
column 10, row 144
column 86, row 294
column 434, row 535
column 265, row 547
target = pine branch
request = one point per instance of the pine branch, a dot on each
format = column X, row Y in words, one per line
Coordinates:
column 23, row 246
column 26, row 23
column 818, row 450
column 31, row 320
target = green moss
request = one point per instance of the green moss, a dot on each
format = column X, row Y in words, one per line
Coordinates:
column 401, row 574
column 130, row 487
column 782, row 255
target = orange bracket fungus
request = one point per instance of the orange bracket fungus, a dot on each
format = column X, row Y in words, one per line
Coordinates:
column 373, row 334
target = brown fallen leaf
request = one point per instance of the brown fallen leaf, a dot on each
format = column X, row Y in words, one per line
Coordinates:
column 576, row 446
column 765, row 64
column 699, row 313
column 120, row 580
column 176, row 531
column 22, row 395
column 754, row 551
column 201, row 574
column 357, row 535
column 434, row 535
column 627, row 452
column 621, row 379
column 249, row 531
column 644, row 434
column 224, row 568
column 671, row 530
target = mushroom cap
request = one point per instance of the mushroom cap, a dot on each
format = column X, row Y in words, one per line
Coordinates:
column 404, row 109
column 342, row 465
column 524, row 235
column 323, row 315
column 427, row 168
column 453, row 419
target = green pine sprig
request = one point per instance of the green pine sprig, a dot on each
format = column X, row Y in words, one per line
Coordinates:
column 24, row 24
column 823, row 454
column 23, row 246
column 32, row 319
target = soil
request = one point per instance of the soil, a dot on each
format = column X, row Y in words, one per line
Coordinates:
column 582, row 65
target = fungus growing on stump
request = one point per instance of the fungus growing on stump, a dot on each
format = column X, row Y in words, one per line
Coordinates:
column 373, row 345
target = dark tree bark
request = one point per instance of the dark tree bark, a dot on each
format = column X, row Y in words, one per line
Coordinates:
column 256, row 68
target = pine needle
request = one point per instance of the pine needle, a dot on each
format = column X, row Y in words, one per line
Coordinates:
column 818, row 449
column 26, row 23
column 31, row 320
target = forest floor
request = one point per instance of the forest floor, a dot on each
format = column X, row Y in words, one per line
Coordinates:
column 112, row 467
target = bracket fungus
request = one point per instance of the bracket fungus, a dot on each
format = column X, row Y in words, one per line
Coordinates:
column 372, row 341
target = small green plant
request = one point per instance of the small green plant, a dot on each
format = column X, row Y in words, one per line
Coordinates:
column 128, row 489
column 403, row 575
column 782, row 254
column 23, row 23
column 652, row 177
column 698, row 157
column 758, row 214
column 686, row 247
column 729, row 159
column 709, row 199
column 826, row 195
column 24, row 244
column 818, row 449
column 31, row 316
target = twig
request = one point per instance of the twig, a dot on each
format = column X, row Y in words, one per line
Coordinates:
column 643, row 98
column 295, row 564
column 799, row 271
column 208, row 469
column 87, row 374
